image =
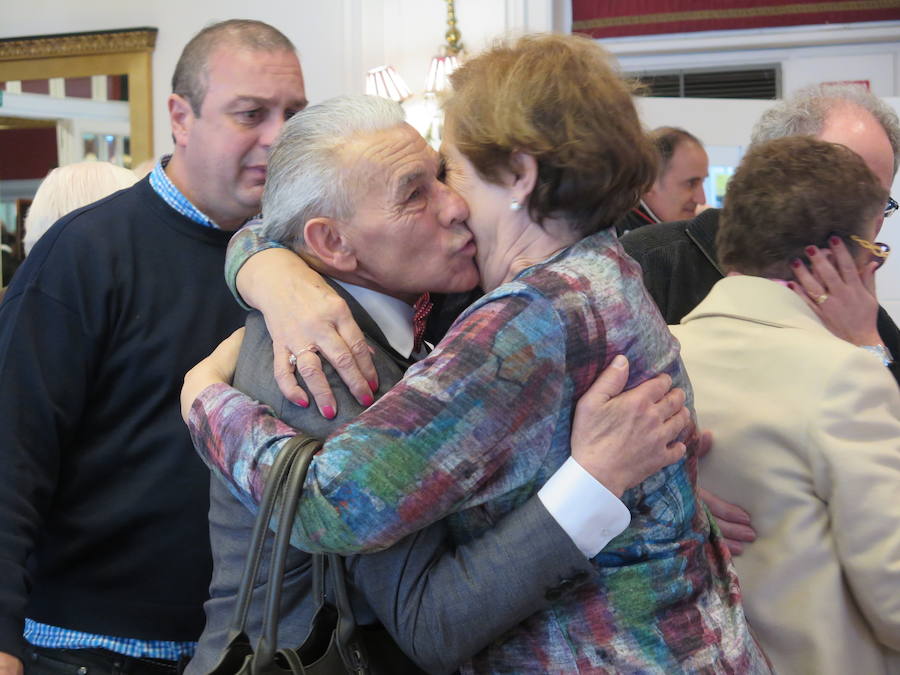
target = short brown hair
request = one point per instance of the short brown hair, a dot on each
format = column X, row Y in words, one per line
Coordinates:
column 190, row 78
column 667, row 140
column 560, row 99
column 790, row 193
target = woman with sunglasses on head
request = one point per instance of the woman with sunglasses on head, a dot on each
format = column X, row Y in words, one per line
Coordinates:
column 806, row 424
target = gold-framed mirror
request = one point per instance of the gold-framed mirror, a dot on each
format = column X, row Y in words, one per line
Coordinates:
column 125, row 51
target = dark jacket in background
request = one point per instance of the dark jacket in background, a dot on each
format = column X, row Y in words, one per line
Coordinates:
column 636, row 218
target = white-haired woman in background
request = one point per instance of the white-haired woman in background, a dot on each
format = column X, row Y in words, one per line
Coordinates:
column 70, row 187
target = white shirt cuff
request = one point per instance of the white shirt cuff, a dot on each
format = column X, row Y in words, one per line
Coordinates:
column 589, row 513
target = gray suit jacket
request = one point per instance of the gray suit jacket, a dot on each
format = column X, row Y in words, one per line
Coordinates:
column 441, row 604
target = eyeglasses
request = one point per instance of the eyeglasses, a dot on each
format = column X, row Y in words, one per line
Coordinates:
column 891, row 207
column 879, row 251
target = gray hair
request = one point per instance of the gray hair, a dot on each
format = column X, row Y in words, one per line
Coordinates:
column 190, row 79
column 70, row 187
column 805, row 114
column 306, row 176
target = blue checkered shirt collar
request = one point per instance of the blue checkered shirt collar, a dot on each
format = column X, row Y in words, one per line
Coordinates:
column 172, row 196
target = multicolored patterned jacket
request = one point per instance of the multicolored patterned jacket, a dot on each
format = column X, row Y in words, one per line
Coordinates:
column 476, row 428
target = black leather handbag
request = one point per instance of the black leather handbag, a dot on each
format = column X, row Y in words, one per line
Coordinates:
column 335, row 645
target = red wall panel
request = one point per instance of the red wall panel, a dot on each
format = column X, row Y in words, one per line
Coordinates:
column 27, row 153
column 602, row 18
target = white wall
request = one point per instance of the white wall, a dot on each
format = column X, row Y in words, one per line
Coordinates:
column 413, row 30
column 713, row 121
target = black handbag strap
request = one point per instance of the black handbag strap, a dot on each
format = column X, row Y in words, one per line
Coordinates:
column 318, row 580
column 278, row 474
column 293, row 487
column 346, row 626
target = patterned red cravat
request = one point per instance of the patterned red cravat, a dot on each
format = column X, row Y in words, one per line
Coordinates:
column 420, row 314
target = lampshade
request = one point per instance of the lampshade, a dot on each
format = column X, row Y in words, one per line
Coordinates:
column 386, row 82
column 439, row 73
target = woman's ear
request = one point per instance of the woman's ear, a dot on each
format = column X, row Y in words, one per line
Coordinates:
column 326, row 240
column 524, row 170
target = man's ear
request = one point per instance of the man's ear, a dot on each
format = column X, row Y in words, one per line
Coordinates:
column 326, row 240
column 181, row 117
column 524, row 171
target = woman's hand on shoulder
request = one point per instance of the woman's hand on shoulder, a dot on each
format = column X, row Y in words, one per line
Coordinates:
column 307, row 319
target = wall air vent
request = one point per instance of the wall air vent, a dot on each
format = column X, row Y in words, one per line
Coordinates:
column 759, row 83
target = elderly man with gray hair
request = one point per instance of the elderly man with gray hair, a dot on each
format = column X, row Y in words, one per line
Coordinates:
column 357, row 193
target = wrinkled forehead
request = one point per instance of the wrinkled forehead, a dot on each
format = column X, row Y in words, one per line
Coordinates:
column 389, row 161
column 858, row 130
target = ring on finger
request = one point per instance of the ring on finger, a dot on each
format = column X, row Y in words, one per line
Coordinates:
column 819, row 299
column 292, row 359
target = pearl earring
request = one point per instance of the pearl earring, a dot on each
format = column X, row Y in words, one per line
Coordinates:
column 514, row 205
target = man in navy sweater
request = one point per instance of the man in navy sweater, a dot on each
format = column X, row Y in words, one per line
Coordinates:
column 103, row 502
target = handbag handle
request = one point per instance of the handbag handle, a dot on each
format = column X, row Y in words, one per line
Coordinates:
column 278, row 473
column 293, row 486
column 346, row 626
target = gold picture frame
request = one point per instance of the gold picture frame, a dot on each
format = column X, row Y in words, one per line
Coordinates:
column 126, row 51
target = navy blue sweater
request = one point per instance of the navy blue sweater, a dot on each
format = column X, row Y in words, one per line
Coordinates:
column 103, row 501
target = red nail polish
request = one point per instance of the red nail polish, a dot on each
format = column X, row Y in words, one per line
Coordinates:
column 328, row 412
column 302, row 404
column 834, row 241
column 811, row 250
column 796, row 263
column 367, row 400
column 373, row 385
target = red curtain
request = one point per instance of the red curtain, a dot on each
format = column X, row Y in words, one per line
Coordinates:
column 617, row 18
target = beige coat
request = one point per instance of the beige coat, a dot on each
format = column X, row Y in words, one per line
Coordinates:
column 806, row 432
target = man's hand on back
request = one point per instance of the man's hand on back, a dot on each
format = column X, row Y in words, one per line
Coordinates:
column 622, row 438
column 733, row 521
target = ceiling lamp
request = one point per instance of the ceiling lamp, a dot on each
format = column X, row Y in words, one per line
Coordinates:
column 443, row 65
column 386, row 82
